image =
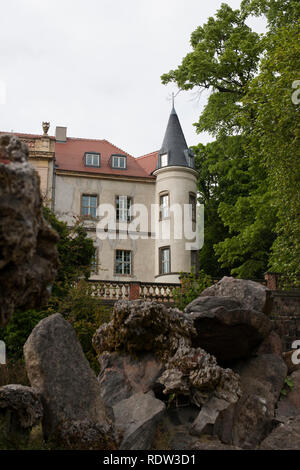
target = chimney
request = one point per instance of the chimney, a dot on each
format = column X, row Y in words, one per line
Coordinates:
column 61, row 134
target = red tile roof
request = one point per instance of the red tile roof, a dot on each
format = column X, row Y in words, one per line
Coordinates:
column 70, row 156
column 148, row 162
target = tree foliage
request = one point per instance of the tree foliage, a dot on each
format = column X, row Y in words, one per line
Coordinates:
column 247, row 173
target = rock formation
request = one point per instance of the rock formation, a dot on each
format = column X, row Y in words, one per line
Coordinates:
column 20, row 410
column 180, row 370
column 74, row 413
column 28, row 255
column 181, row 358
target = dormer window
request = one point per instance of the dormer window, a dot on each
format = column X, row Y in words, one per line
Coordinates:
column 190, row 158
column 164, row 160
column 92, row 159
column 119, row 161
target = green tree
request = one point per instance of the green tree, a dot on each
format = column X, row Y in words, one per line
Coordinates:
column 225, row 59
column 76, row 251
column 275, row 140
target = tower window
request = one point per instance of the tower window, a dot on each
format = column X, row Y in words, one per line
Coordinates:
column 195, row 261
column 118, row 161
column 164, row 206
column 88, row 205
column 164, row 260
column 123, row 262
column 92, row 159
column 164, row 160
column 192, row 203
column 123, row 208
column 190, row 158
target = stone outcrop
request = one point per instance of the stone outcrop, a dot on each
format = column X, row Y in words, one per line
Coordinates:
column 177, row 369
column 137, row 418
column 289, row 404
column 225, row 328
column 246, row 423
column 141, row 326
column 20, row 409
column 73, row 408
column 122, row 375
column 286, row 436
column 252, row 295
column 28, row 255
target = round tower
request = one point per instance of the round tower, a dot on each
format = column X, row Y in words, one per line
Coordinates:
column 176, row 196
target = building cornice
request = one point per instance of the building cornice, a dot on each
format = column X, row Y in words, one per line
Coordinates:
column 85, row 174
column 174, row 168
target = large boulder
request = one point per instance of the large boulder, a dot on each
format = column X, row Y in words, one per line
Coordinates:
column 20, row 409
column 286, row 436
column 28, row 255
column 253, row 295
column 225, row 328
column 137, row 419
column 57, row 368
column 246, row 423
column 122, row 375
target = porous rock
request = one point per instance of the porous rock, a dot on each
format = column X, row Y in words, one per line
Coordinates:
column 28, row 254
column 20, row 409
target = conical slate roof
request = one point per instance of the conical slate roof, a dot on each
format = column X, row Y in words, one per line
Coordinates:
column 174, row 144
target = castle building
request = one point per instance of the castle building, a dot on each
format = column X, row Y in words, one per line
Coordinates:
column 85, row 178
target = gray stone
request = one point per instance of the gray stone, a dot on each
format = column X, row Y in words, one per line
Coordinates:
column 122, row 375
column 226, row 330
column 246, row 423
column 137, row 418
column 208, row 415
column 289, row 405
column 57, row 368
column 272, row 344
column 286, row 436
column 253, row 295
column 28, row 254
column 20, row 409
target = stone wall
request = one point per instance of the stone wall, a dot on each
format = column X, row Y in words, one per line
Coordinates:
column 286, row 316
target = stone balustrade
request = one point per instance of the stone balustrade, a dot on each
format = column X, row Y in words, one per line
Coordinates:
column 111, row 291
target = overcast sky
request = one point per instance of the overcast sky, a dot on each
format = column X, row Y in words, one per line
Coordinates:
column 95, row 66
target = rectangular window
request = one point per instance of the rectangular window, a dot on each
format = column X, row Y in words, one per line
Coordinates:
column 118, row 161
column 165, row 260
column 92, row 159
column 164, row 160
column 192, row 203
column 88, row 205
column 123, row 262
column 123, row 208
column 164, row 206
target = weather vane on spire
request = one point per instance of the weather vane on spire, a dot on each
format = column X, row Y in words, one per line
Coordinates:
column 172, row 98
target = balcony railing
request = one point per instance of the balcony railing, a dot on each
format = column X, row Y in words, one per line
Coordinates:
column 112, row 291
